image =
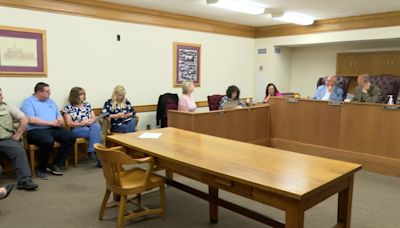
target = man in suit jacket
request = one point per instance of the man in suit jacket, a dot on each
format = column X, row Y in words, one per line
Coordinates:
column 329, row 91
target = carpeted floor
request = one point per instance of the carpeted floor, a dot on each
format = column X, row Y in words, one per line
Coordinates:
column 73, row 200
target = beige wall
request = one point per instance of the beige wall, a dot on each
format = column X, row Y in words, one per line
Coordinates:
column 310, row 63
column 84, row 52
column 314, row 55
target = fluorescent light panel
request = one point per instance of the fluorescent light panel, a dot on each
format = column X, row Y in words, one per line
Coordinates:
column 242, row 6
column 295, row 18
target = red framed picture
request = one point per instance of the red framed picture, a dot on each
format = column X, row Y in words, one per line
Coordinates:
column 186, row 63
column 22, row 52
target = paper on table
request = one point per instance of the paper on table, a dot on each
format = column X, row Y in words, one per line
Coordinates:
column 150, row 135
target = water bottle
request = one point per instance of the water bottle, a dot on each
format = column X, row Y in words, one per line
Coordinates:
column 390, row 102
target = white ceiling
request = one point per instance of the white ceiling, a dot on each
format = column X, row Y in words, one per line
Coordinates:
column 319, row 9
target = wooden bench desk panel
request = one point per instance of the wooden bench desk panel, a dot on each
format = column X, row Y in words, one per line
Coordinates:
column 246, row 125
column 289, row 181
column 356, row 132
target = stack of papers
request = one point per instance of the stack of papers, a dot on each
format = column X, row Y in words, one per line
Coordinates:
column 150, row 135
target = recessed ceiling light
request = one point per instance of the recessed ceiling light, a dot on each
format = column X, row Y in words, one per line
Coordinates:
column 243, row 6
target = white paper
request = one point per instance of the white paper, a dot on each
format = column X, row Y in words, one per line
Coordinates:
column 150, row 135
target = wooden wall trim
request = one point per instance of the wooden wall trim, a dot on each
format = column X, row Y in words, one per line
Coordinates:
column 153, row 107
column 329, row 25
column 378, row 164
column 111, row 11
column 117, row 12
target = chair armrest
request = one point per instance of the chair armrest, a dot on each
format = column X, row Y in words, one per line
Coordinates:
column 121, row 148
column 144, row 160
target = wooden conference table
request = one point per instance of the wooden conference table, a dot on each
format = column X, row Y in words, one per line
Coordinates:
column 285, row 180
column 363, row 133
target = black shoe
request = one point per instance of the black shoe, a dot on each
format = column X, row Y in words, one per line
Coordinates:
column 53, row 169
column 41, row 175
column 92, row 156
column 27, row 185
column 9, row 189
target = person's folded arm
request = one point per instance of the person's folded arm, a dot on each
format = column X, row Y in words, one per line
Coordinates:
column 40, row 122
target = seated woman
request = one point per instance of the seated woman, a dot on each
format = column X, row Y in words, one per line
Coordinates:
column 271, row 91
column 186, row 102
column 80, row 117
column 329, row 91
column 5, row 191
column 232, row 99
column 120, row 111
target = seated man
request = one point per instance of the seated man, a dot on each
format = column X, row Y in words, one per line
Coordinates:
column 10, row 143
column 46, row 126
column 329, row 91
column 365, row 91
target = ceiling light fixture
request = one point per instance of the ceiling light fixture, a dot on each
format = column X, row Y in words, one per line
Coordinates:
column 243, row 6
column 294, row 18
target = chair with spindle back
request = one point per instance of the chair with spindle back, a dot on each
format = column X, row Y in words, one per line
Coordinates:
column 128, row 182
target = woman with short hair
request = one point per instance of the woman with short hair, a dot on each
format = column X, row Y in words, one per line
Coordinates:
column 232, row 98
column 186, row 102
column 80, row 117
column 120, row 111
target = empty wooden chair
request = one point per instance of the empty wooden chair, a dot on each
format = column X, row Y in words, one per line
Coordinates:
column 128, row 182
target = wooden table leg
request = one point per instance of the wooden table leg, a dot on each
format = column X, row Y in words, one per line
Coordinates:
column 169, row 174
column 345, row 203
column 213, row 204
column 294, row 217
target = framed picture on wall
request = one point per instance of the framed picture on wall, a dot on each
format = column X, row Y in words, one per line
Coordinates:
column 186, row 63
column 22, row 52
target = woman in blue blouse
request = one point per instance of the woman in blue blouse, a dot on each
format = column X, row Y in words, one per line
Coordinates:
column 232, row 97
column 80, row 117
column 120, row 111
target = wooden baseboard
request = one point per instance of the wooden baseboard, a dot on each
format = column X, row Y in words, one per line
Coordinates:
column 373, row 163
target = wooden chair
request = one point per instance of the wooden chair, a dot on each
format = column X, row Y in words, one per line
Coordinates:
column 31, row 149
column 128, row 182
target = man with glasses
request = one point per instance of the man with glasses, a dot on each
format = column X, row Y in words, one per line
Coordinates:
column 45, row 126
column 329, row 91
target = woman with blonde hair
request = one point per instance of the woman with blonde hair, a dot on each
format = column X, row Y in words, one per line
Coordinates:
column 186, row 102
column 120, row 111
column 80, row 117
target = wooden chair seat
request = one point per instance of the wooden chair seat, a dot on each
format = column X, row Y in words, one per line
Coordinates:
column 31, row 149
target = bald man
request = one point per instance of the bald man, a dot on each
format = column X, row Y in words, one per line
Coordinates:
column 366, row 91
column 329, row 91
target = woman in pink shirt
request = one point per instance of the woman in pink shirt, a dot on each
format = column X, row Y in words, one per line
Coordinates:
column 271, row 91
column 186, row 101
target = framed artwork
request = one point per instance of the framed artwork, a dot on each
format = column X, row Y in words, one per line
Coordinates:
column 22, row 52
column 186, row 63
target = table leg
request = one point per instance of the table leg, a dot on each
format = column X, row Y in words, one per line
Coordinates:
column 344, row 204
column 169, row 174
column 294, row 217
column 213, row 204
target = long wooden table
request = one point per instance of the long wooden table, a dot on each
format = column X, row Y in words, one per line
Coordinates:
column 247, row 125
column 357, row 132
column 285, row 180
